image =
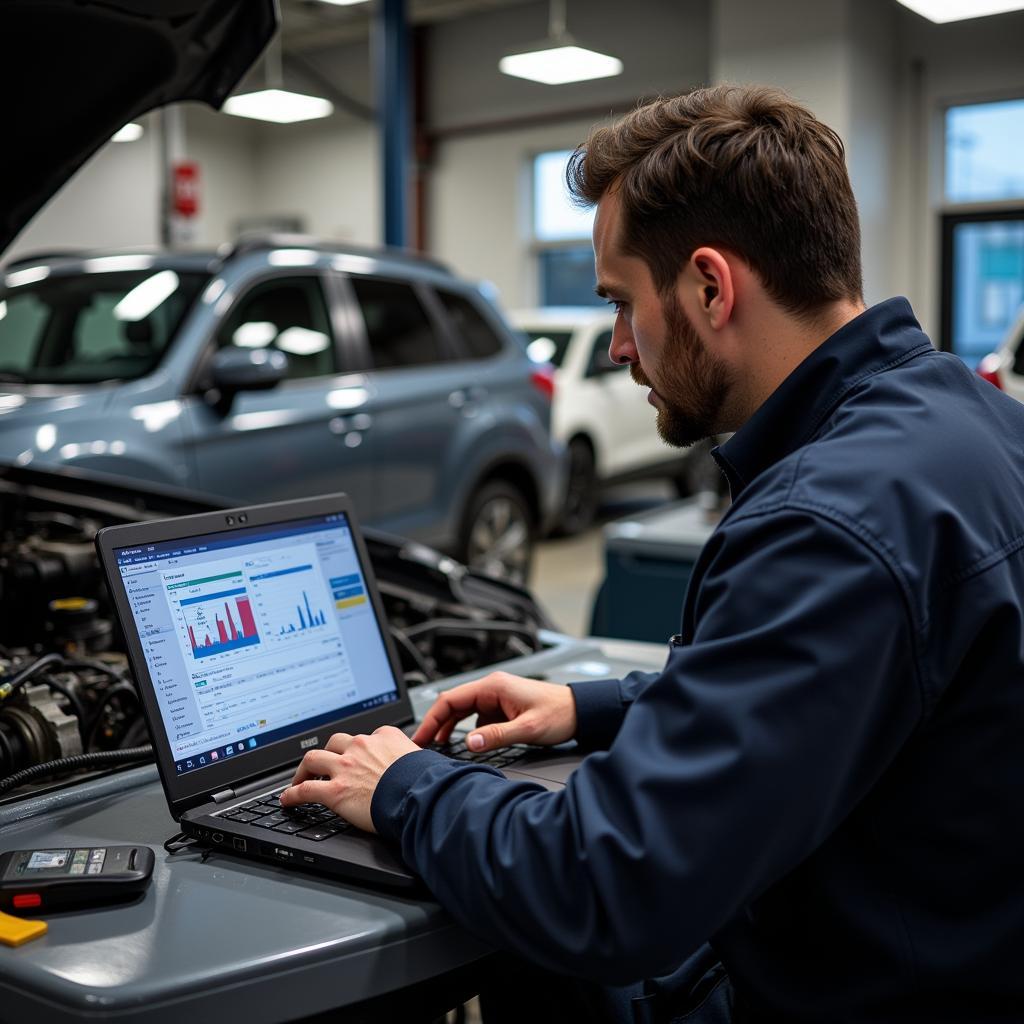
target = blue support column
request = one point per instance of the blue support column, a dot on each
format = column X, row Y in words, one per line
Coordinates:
column 393, row 75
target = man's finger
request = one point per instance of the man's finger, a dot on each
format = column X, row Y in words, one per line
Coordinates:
column 439, row 714
column 314, row 764
column 339, row 743
column 309, row 792
column 449, row 709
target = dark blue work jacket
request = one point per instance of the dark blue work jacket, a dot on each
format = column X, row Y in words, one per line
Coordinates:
column 827, row 777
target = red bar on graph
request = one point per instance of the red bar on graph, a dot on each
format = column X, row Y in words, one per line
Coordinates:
column 245, row 614
column 231, row 622
column 192, row 637
column 221, row 630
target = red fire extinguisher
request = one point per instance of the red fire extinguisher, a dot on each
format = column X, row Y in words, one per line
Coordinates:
column 185, row 188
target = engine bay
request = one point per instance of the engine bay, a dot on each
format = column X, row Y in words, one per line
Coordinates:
column 68, row 701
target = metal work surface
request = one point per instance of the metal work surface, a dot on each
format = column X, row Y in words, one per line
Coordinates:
column 231, row 938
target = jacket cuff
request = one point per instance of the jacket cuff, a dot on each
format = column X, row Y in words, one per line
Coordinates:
column 599, row 712
column 394, row 785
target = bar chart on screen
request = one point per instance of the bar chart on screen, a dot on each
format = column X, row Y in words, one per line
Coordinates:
column 291, row 600
column 220, row 621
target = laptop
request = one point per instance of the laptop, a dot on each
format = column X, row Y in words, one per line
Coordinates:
column 254, row 635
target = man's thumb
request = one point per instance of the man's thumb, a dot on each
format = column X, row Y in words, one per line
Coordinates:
column 489, row 736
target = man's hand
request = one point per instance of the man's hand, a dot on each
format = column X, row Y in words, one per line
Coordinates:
column 344, row 775
column 510, row 709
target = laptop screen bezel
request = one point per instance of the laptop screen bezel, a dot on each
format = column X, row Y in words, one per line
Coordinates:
column 192, row 789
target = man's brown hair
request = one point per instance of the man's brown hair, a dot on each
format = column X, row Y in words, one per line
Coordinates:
column 747, row 169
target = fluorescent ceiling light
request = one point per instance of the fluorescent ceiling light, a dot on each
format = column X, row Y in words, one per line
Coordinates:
column 255, row 334
column 301, row 341
column 146, row 296
column 279, row 106
column 941, row 11
column 556, row 65
column 343, row 3
column 129, row 133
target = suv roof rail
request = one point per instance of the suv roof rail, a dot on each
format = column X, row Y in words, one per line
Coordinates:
column 257, row 240
column 41, row 256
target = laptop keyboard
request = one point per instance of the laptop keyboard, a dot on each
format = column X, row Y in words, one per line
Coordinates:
column 316, row 822
column 307, row 821
column 500, row 758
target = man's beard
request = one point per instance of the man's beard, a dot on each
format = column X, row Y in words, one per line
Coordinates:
column 692, row 383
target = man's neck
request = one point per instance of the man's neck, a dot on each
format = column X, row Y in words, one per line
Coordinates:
column 778, row 345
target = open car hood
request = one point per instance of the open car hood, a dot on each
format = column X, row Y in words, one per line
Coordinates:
column 75, row 71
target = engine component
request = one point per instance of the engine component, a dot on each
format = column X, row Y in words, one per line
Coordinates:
column 34, row 728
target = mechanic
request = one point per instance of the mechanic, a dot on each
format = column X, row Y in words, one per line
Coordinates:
column 824, row 782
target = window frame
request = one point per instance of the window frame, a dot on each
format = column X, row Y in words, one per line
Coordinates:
column 949, row 222
column 953, row 213
column 539, row 246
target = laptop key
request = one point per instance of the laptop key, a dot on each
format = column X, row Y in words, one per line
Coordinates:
column 317, row 833
column 270, row 820
column 290, row 826
column 241, row 816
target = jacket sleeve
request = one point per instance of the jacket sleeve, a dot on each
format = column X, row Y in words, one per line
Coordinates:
column 602, row 704
column 727, row 770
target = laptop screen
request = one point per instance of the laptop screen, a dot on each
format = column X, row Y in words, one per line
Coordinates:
column 256, row 635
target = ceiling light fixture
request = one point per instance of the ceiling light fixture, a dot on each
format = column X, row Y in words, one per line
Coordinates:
column 275, row 103
column 558, row 59
column 942, row 11
column 343, row 3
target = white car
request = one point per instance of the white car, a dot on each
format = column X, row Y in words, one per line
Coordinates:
column 600, row 414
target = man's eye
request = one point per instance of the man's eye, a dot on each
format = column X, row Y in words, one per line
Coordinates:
column 617, row 304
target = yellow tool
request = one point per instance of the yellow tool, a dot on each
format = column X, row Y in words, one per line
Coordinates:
column 15, row 931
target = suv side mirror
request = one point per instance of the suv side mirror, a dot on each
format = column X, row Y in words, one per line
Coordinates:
column 245, row 369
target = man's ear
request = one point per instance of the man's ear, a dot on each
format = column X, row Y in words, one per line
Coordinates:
column 710, row 275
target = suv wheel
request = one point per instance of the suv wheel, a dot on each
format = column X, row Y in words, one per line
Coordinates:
column 581, row 494
column 497, row 532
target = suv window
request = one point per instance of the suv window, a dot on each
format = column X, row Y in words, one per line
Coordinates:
column 83, row 328
column 476, row 333
column 289, row 314
column 398, row 329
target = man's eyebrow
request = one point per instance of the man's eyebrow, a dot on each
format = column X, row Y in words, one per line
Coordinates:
column 602, row 291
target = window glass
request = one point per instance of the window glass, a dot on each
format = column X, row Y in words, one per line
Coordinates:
column 398, row 329
column 288, row 314
column 83, row 328
column 567, row 277
column 985, row 151
column 476, row 333
column 988, row 284
column 555, row 217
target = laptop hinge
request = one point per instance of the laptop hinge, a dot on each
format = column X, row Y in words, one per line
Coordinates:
column 223, row 795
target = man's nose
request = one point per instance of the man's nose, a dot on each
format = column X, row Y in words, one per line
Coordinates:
column 622, row 348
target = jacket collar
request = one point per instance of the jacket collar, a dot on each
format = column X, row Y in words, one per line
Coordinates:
column 881, row 337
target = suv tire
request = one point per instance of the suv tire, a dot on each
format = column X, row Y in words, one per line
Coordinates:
column 582, row 491
column 497, row 532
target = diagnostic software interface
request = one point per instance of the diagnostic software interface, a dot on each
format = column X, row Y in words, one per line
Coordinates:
column 256, row 636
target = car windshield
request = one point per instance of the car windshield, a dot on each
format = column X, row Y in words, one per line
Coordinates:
column 84, row 328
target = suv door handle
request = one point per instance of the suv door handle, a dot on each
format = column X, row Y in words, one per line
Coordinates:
column 462, row 397
column 357, row 423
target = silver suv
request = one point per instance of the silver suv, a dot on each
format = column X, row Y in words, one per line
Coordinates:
column 284, row 367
